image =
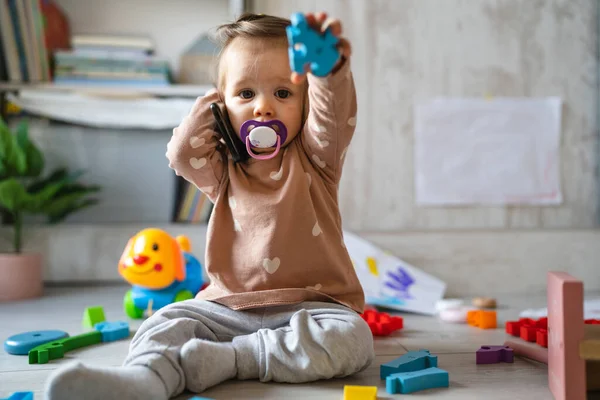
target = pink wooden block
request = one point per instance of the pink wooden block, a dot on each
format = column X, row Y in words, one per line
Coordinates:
column 566, row 370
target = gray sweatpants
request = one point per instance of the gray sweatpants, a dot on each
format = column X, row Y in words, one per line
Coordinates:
column 292, row 343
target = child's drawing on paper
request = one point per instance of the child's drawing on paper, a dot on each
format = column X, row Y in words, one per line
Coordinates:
column 390, row 282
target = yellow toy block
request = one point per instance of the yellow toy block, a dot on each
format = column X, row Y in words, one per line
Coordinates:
column 360, row 392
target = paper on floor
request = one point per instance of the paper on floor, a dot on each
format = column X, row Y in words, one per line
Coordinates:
column 390, row 282
column 478, row 151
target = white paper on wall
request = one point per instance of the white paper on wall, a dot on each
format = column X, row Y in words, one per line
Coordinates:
column 480, row 151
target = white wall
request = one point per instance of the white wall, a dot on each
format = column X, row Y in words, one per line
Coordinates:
column 408, row 50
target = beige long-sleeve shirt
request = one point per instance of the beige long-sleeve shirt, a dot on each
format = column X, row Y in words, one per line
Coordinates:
column 275, row 233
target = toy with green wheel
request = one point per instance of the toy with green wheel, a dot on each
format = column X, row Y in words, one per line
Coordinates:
column 161, row 270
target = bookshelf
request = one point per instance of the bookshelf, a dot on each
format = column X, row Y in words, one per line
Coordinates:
column 177, row 90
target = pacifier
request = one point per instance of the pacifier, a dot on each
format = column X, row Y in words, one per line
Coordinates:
column 263, row 135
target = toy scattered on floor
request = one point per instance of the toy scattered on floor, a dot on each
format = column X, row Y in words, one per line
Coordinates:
column 530, row 330
column 103, row 332
column 448, row 304
column 452, row 310
column 411, row 361
column 409, row 382
column 200, row 398
column 160, row 269
column 21, row 343
column 360, row 392
column 310, row 49
column 573, row 347
column 413, row 371
column 112, row 331
column 20, row 396
column 482, row 319
column 382, row 324
column 494, row 355
column 484, row 302
column 92, row 316
column 57, row 349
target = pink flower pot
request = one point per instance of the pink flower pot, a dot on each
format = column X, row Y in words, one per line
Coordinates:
column 21, row 276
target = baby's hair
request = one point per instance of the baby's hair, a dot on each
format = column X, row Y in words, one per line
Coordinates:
column 249, row 26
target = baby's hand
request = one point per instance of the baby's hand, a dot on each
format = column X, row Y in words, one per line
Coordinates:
column 320, row 22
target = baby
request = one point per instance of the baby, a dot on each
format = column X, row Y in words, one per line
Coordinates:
column 284, row 300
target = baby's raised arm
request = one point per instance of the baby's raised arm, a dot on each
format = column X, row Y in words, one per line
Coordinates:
column 193, row 149
column 331, row 120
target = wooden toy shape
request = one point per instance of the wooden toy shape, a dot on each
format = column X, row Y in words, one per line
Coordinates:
column 93, row 316
column 482, row 319
column 57, row 349
column 360, row 392
column 409, row 382
column 566, row 370
column 494, row 355
column 309, row 48
column 528, row 350
column 21, row 343
column 20, row 396
column 382, row 324
column 411, row 361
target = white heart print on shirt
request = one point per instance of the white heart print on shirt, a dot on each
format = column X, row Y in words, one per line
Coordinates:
column 232, row 203
column 352, row 121
column 196, row 142
column 322, row 143
column 197, row 163
column 318, row 161
column 271, row 266
column 317, row 287
column 316, row 231
column 309, row 179
column 236, row 225
column 276, row 175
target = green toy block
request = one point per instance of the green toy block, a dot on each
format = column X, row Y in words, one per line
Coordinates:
column 57, row 349
column 92, row 316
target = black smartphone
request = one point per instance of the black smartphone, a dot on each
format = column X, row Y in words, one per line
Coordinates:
column 224, row 128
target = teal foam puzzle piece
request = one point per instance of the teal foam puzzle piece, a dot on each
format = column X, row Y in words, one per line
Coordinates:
column 409, row 382
column 112, row 331
column 308, row 47
column 411, row 361
column 20, row 396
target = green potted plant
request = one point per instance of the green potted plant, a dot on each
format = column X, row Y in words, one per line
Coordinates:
column 24, row 191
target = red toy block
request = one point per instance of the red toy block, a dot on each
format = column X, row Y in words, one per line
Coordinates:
column 528, row 332
column 592, row 321
column 382, row 324
column 541, row 337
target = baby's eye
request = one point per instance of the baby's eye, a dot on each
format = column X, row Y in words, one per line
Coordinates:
column 246, row 94
column 283, row 93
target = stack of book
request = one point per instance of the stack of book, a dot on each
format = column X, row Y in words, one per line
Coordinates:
column 110, row 60
column 23, row 48
column 193, row 206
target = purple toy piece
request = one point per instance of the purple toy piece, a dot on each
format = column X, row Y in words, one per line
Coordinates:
column 494, row 355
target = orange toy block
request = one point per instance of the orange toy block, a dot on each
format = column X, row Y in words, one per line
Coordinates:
column 482, row 319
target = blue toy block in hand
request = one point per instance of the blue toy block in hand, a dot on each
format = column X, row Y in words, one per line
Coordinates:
column 308, row 47
column 409, row 362
column 408, row 382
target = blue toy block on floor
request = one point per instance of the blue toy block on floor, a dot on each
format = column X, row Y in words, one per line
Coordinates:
column 112, row 331
column 411, row 361
column 21, row 343
column 20, row 396
column 309, row 47
column 409, row 382
column 200, row 398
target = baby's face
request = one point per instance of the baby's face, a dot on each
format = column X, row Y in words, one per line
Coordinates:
column 257, row 85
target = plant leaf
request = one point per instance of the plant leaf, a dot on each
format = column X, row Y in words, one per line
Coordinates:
column 11, row 155
column 65, row 200
column 54, row 219
column 33, row 156
column 13, row 195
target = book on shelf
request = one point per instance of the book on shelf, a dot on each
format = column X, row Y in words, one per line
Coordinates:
column 23, row 41
column 109, row 60
column 191, row 205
